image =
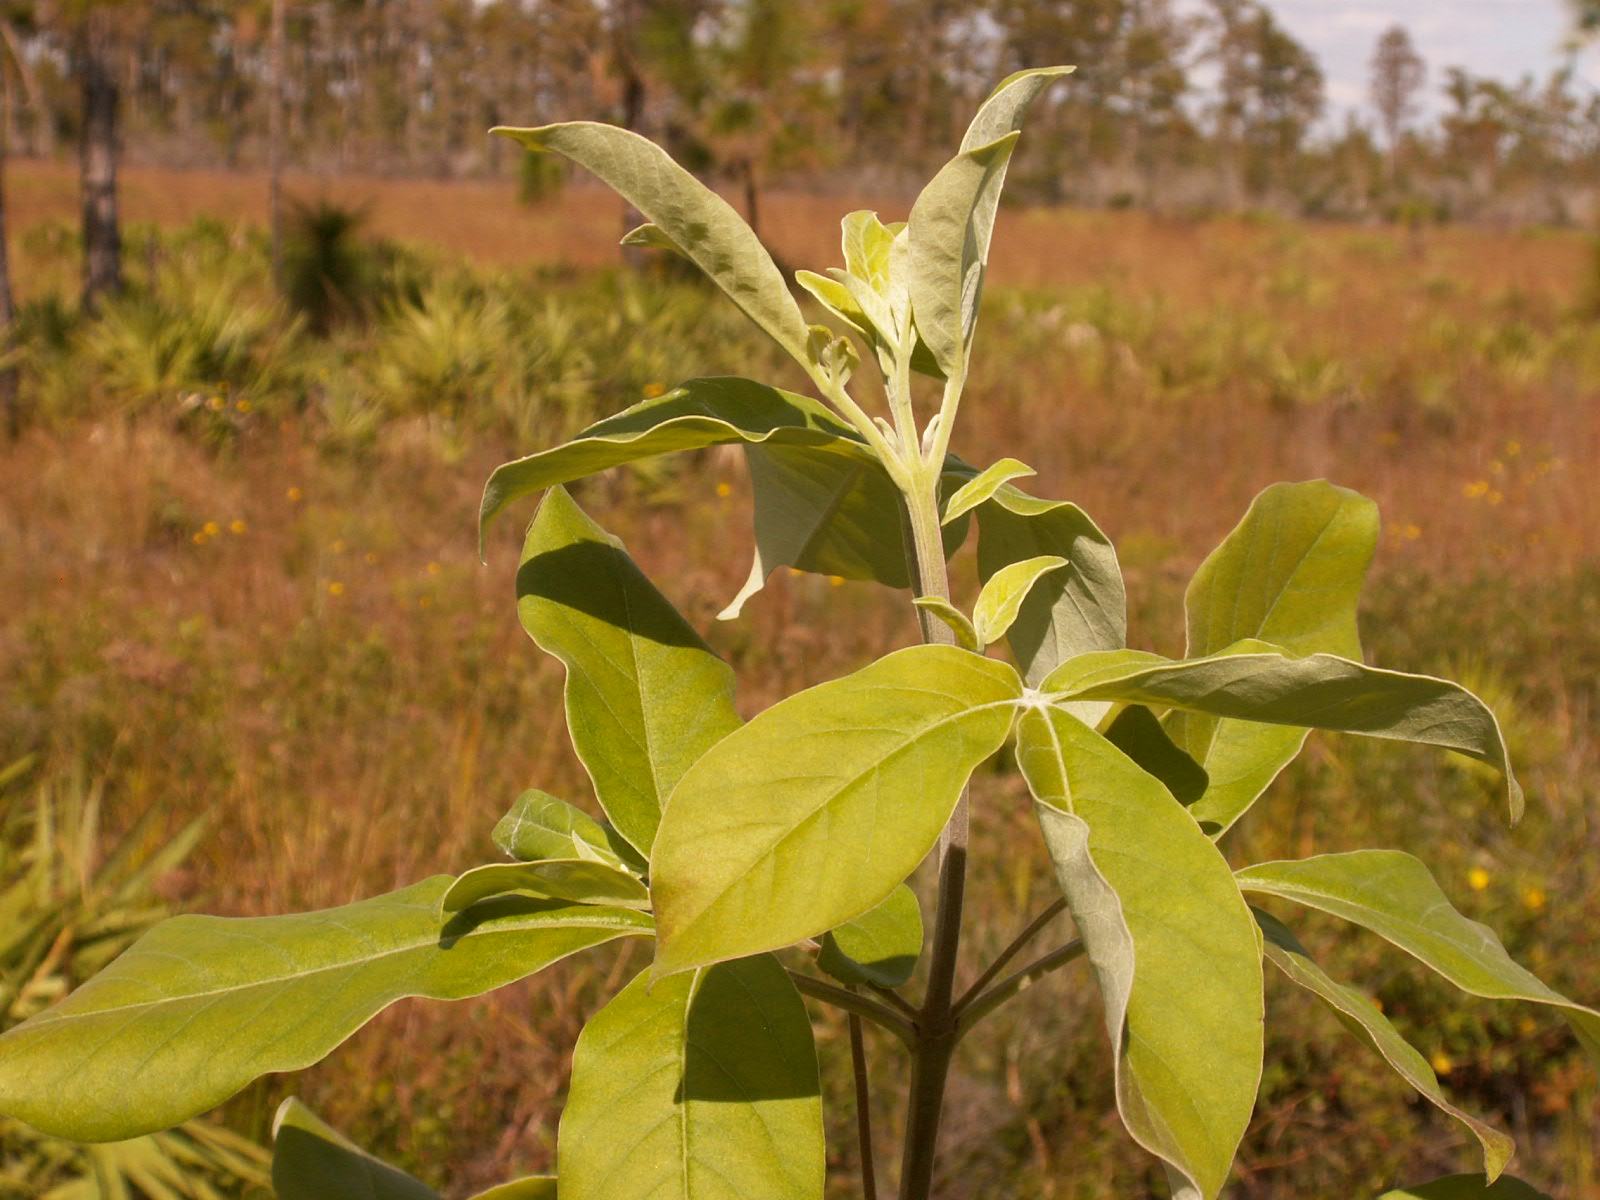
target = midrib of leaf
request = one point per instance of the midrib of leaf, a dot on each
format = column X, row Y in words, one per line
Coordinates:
column 823, row 807
column 290, row 977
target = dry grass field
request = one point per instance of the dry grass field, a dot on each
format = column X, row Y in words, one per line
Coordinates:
column 231, row 596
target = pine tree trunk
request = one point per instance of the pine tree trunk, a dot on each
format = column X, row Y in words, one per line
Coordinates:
column 10, row 403
column 275, row 144
column 102, row 236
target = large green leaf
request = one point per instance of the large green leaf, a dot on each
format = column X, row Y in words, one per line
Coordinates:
column 1254, row 681
column 700, row 1087
column 1172, row 943
column 645, row 695
column 879, row 947
column 1289, row 574
column 693, row 219
column 200, row 1006
column 1362, row 1018
column 701, row 412
column 949, row 243
column 313, row 1161
column 1468, row 1187
column 809, row 816
column 1072, row 611
column 1394, row 896
column 831, row 510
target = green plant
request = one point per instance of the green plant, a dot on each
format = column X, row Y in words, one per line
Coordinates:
column 749, row 850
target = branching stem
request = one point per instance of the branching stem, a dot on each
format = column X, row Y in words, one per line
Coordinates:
column 1021, row 940
column 858, row 1062
column 971, row 1013
column 864, row 1006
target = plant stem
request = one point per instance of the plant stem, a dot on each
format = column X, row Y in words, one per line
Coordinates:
column 1022, row 939
column 878, row 1014
column 969, row 1014
column 858, row 1061
column 936, row 1025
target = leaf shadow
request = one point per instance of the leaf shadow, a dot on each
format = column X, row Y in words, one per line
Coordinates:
column 602, row 582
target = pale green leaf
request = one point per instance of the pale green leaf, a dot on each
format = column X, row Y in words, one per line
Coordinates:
column 1467, row 1187
column 1008, row 104
column 200, row 1006
column 533, row 1187
column 1172, row 943
column 880, row 946
column 830, row 510
column 580, row 881
column 1136, row 732
column 645, row 695
column 1289, row 574
column 1257, row 682
column 966, row 635
column 975, row 491
column 689, row 215
column 811, row 814
column 1071, row 612
column 539, row 826
column 701, row 412
column 952, row 221
column 313, row 1161
column 699, row 1087
column 866, row 243
column 1394, row 896
column 836, row 298
column 1004, row 592
column 949, row 244
column 1361, row 1017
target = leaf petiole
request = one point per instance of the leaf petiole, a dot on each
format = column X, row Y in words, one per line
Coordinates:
column 970, row 1013
column 852, row 1002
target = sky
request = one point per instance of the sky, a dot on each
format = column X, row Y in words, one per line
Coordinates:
column 1505, row 39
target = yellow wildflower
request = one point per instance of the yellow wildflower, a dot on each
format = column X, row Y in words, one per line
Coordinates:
column 211, row 529
column 1533, row 898
column 295, row 495
column 836, row 580
column 1513, row 448
column 1411, row 532
column 201, row 537
column 336, row 588
column 216, row 404
column 654, row 389
column 243, row 406
column 1477, row 879
column 1441, row 1063
column 724, row 491
column 237, row 526
column 434, row 568
column 1478, row 488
